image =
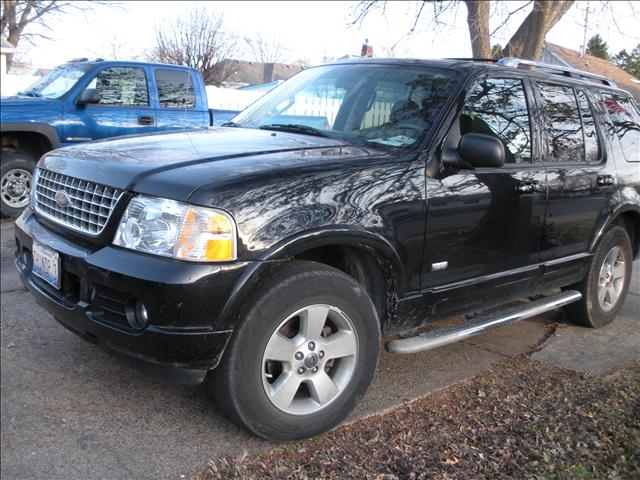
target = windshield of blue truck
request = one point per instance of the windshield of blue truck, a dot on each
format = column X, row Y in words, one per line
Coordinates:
column 386, row 104
column 57, row 82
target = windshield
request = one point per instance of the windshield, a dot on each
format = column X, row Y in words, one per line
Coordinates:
column 57, row 82
column 393, row 105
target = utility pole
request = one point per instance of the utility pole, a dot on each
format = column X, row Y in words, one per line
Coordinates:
column 583, row 49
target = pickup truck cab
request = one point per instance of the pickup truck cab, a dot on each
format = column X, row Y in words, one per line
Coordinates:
column 357, row 200
column 90, row 100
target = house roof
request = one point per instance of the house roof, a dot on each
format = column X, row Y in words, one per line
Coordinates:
column 599, row 66
column 254, row 73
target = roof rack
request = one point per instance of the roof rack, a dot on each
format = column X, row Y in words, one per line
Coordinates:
column 556, row 70
column 471, row 59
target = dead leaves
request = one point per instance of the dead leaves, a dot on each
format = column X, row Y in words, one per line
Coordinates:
column 523, row 420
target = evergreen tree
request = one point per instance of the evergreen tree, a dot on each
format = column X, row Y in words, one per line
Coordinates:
column 496, row 51
column 597, row 47
column 629, row 62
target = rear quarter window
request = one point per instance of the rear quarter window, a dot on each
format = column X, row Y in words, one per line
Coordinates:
column 175, row 89
column 623, row 126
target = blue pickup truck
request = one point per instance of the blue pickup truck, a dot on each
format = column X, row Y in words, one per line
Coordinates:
column 88, row 100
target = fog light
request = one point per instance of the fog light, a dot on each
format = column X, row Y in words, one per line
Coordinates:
column 137, row 316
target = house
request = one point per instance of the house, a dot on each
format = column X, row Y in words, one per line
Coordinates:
column 6, row 49
column 557, row 55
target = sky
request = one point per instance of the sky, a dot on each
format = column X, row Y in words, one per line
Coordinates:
column 317, row 31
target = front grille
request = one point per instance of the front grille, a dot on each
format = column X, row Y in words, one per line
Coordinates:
column 90, row 204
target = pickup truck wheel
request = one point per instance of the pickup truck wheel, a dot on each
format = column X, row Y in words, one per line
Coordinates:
column 304, row 355
column 604, row 289
column 16, row 175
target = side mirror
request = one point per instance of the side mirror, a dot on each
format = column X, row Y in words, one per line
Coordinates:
column 479, row 150
column 89, row 95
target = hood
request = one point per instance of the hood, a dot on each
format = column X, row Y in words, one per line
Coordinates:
column 24, row 101
column 173, row 165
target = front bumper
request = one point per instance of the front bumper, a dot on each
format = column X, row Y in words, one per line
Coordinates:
column 100, row 288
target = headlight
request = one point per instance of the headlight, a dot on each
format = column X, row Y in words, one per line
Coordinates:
column 175, row 229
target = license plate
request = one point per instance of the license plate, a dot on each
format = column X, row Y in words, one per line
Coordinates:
column 46, row 264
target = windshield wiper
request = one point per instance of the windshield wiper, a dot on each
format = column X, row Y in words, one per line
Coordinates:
column 294, row 128
column 229, row 124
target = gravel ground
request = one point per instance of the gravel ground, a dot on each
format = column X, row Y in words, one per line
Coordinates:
column 522, row 420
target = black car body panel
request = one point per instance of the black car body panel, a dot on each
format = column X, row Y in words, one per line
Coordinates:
column 447, row 239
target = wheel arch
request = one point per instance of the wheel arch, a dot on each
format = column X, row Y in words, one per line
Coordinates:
column 626, row 215
column 367, row 257
column 34, row 138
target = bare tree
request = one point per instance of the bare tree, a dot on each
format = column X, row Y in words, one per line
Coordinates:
column 17, row 17
column 264, row 51
column 527, row 42
column 478, row 22
column 197, row 40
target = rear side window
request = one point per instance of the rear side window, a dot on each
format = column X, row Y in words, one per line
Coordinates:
column 623, row 122
column 124, row 86
column 175, row 89
column 591, row 140
column 498, row 107
column 561, row 116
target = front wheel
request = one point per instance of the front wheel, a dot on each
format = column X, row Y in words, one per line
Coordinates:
column 604, row 289
column 304, row 355
column 16, row 176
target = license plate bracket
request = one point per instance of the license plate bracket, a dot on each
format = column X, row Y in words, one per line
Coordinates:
column 46, row 264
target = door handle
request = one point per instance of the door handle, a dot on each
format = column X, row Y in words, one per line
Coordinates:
column 145, row 120
column 605, row 180
column 525, row 188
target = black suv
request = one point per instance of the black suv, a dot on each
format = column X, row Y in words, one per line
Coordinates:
column 358, row 199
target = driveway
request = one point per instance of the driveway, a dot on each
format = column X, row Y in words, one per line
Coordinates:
column 71, row 411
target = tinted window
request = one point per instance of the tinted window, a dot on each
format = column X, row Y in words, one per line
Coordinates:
column 591, row 141
column 623, row 126
column 561, row 117
column 175, row 89
column 121, row 86
column 498, row 107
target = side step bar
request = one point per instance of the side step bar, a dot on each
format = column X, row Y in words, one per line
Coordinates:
column 475, row 326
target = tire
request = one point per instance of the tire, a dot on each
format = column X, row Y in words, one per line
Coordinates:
column 251, row 385
column 602, row 295
column 16, row 175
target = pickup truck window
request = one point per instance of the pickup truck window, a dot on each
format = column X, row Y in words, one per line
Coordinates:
column 175, row 89
column 57, row 82
column 498, row 107
column 561, row 117
column 380, row 104
column 124, row 86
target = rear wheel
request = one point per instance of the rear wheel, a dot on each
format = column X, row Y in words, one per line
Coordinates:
column 16, row 176
column 604, row 289
column 304, row 355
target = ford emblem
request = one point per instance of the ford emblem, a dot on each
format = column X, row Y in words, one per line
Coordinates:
column 62, row 198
